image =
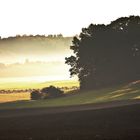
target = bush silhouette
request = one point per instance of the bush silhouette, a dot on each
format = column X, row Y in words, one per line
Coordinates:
column 35, row 95
column 51, row 92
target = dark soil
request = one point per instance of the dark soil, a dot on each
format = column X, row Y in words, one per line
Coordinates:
column 85, row 122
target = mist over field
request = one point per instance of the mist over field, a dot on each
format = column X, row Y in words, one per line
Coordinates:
column 34, row 58
column 34, row 48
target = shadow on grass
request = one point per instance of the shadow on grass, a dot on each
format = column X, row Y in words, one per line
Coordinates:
column 124, row 92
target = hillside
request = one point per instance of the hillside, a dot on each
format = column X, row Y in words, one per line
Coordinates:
column 124, row 92
column 72, row 123
column 105, row 114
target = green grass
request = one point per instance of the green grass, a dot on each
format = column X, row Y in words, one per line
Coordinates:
column 10, row 97
column 130, row 91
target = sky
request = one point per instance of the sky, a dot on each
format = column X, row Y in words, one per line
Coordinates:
column 60, row 16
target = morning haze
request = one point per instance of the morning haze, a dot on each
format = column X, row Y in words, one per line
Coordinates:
column 32, row 56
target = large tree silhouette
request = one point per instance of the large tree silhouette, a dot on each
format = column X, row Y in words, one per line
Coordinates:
column 107, row 54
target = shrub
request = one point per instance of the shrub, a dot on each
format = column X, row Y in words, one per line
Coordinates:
column 35, row 95
column 51, row 92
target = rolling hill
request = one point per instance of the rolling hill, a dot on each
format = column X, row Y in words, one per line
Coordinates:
column 124, row 92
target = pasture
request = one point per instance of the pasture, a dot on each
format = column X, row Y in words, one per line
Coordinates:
column 118, row 93
column 10, row 95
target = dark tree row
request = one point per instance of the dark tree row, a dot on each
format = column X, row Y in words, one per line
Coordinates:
column 50, row 36
column 107, row 54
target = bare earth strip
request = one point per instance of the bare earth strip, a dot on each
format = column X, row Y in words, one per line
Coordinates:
column 118, row 120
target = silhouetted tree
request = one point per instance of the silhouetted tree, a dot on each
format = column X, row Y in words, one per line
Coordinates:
column 107, row 54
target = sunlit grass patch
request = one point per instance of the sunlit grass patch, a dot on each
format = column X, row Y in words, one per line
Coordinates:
column 121, row 92
column 9, row 97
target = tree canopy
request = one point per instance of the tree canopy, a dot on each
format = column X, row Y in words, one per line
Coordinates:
column 107, row 54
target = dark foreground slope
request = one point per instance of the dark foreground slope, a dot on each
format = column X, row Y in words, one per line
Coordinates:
column 68, row 123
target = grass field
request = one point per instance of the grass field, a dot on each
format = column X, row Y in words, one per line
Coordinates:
column 9, row 97
column 123, row 92
column 14, row 97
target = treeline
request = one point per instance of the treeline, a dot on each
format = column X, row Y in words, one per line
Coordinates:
column 50, row 36
column 107, row 55
column 40, row 47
